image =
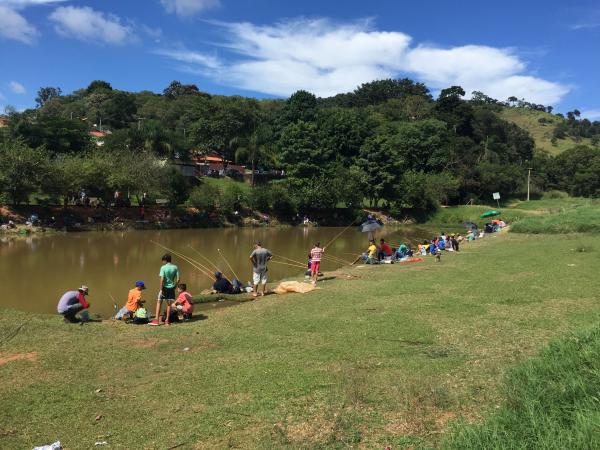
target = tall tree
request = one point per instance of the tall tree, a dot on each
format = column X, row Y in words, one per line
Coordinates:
column 44, row 94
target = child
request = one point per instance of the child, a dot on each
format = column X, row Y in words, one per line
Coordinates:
column 183, row 304
column 141, row 316
column 315, row 257
column 308, row 272
column 134, row 301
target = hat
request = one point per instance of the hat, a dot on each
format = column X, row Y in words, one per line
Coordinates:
column 140, row 284
column 218, row 274
column 84, row 289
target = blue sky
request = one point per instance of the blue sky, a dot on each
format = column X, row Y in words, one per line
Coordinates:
column 544, row 51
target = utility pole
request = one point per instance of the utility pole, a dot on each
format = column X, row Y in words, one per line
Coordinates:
column 528, row 181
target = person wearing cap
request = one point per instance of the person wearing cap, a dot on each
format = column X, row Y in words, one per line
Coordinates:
column 71, row 303
column 222, row 284
column 134, row 301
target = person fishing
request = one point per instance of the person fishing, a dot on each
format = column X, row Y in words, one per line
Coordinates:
column 169, row 279
column 259, row 258
column 315, row 262
column 384, row 250
column 71, row 303
column 134, row 302
column 222, row 284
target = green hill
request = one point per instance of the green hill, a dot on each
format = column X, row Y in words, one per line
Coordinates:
column 528, row 119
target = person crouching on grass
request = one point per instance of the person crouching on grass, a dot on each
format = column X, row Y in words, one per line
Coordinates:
column 315, row 257
column 184, row 304
column 134, row 301
column 169, row 278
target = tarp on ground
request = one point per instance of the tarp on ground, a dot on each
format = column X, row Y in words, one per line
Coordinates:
column 290, row 287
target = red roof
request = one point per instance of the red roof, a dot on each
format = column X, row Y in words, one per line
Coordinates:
column 97, row 134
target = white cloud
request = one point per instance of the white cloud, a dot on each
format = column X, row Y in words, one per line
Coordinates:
column 591, row 114
column 16, row 87
column 189, row 57
column 497, row 72
column 87, row 24
column 186, row 8
column 17, row 4
column 14, row 26
column 327, row 58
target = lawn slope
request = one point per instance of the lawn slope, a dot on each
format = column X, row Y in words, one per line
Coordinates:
column 391, row 358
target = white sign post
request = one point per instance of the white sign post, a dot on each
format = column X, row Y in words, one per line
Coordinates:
column 496, row 196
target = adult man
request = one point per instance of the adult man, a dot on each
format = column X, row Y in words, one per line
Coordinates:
column 259, row 258
column 384, row 250
column 169, row 279
column 315, row 257
column 73, row 302
column 222, row 284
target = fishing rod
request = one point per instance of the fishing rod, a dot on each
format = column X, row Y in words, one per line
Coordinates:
column 205, row 258
column 290, row 259
column 340, row 233
column 288, row 264
column 187, row 259
column 113, row 299
column 228, row 265
column 335, row 258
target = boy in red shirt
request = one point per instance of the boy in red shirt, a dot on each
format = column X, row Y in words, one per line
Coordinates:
column 315, row 256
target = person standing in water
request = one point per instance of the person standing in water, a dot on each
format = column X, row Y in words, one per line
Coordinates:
column 259, row 258
column 169, row 279
column 315, row 257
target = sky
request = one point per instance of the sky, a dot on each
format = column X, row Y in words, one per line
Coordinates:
column 547, row 51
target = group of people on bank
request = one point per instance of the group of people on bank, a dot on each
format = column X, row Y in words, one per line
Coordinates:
column 177, row 302
column 174, row 303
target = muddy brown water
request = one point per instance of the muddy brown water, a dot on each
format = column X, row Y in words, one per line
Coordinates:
column 36, row 271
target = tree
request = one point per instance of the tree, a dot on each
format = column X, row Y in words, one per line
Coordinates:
column 176, row 89
column 44, row 94
column 380, row 91
column 381, row 166
column 301, row 106
column 22, row 169
column 98, row 85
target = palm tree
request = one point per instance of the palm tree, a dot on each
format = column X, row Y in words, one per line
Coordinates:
column 256, row 149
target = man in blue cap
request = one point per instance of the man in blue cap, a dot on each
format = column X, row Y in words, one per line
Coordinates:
column 222, row 284
column 134, row 301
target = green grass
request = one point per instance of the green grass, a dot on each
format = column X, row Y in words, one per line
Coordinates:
column 553, row 204
column 391, row 358
column 552, row 402
column 585, row 219
column 222, row 182
column 457, row 215
column 541, row 133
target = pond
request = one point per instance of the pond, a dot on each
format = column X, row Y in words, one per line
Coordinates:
column 36, row 271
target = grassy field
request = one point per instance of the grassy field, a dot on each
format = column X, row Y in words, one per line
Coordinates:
column 541, row 132
column 551, row 401
column 394, row 357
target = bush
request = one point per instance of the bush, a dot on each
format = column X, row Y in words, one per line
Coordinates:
column 282, row 203
column 554, row 194
column 260, row 198
column 233, row 198
column 205, row 198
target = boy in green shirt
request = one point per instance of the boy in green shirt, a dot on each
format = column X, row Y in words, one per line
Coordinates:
column 169, row 278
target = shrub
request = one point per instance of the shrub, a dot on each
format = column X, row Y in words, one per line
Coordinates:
column 260, row 198
column 555, row 194
column 206, row 198
column 233, row 198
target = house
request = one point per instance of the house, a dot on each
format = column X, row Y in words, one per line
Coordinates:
column 3, row 121
column 98, row 136
column 212, row 163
